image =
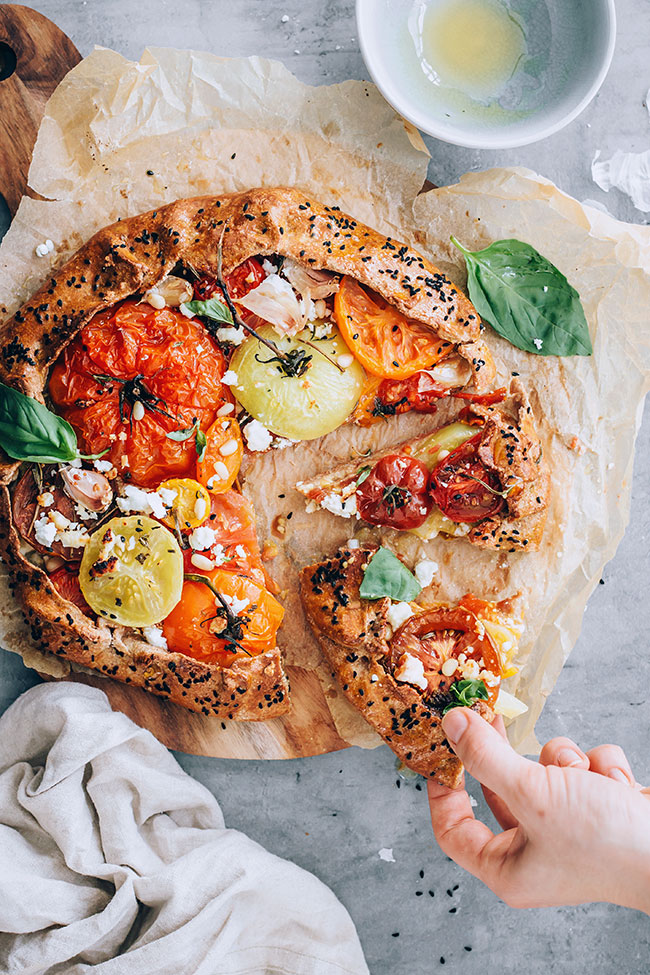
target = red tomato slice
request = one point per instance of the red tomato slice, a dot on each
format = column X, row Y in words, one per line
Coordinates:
column 485, row 399
column 157, row 357
column 439, row 634
column 66, row 582
column 385, row 342
column 239, row 282
column 395, row 493
column 463, row 487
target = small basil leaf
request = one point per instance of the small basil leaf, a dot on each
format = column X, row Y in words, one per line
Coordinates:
column 526, row 299
column 180, row 435
column 465, row 692
column 29, row 431
column 387, row 576
column 214, row 309
column 201, row 444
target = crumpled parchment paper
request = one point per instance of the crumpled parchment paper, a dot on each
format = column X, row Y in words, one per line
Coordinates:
column 202, row 124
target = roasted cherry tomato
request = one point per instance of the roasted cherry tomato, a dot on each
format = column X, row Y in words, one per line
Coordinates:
column 395, row 493
column 239, row 282
column 419, row 392
column 191, row 505
column 485, row 399
column 463, row 487
column 66, row 582
column 200, row 627
column 223, row 455
column 384, row 341
column 134, row 354
column 442, row 633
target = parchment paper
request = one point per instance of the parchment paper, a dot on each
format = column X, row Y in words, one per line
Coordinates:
column 203, row 124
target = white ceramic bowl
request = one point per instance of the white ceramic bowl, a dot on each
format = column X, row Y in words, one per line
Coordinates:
column 582, row 37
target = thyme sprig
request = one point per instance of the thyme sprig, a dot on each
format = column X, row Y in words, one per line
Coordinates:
column 395, row 497
column 233, row 630
column 132, row 391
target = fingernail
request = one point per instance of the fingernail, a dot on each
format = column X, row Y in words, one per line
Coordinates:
column 454, row 725
column 569, row 758
column 620, row 776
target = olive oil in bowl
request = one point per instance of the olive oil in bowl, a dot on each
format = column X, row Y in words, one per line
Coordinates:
column 474, row 46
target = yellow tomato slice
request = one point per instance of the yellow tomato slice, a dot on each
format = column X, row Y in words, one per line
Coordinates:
column 223, row 455
column 386, row 342
column 191, row 503
column 132, row 571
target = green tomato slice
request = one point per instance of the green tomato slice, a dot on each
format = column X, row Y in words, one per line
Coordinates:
column 297, row 407
column 132, row 571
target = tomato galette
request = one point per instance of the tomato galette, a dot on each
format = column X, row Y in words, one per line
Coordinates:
column 167, row 348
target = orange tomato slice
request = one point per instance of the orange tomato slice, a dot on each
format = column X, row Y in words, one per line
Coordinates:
column 194, row 625
column 223, row 455
column 385, row 341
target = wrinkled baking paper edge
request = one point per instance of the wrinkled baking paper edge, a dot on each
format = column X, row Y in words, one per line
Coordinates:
column 203, row 124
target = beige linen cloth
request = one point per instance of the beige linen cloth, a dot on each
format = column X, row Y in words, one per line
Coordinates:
column 114, row 861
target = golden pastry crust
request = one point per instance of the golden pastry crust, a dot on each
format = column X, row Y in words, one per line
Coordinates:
column 128, row 258
column 353, row 634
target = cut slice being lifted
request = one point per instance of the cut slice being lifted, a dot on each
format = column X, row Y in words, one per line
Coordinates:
column 489, row 479
column 403, row 670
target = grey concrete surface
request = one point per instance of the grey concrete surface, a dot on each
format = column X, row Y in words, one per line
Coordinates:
column 333, row 814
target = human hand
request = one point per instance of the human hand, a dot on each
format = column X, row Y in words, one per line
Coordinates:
column 576, row 826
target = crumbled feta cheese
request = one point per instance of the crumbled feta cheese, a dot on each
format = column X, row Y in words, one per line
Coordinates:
column 410, row 670
column 42, row 250
column 168, row 495
column 387, row 855
column 398, row 613
column 231, row 333
column 335, row 503
column 76, row 462
column 241, row 552
column 424, row 571
column 74, row 537
column 538, row 343
column 229, row 378
column 345, row 360
column 103, row 466
column 59, row 520
column 202, row 537
column 45, row 531
column 236, row 604
column 85, row 513
column 219, row 555
column 202, row 562
column 352, row 543
column 267, row 267
column 257, row 436
column 146, row 502
column 469, row 670
column 323, row 329
column 154, row 636
column 46, row 499
column 374, row 678
column 279, row 443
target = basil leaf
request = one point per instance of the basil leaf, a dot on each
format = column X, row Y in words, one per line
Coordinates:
column 387, row 576
column 217, row 310
column 526, row 299
column 180, row 435
column 29, row 431
column 201, row 444
column 465, row 693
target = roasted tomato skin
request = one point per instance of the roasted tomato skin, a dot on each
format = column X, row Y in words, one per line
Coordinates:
column 193, row 625
column 442, row 633
column 66, row 582
column 239, row 282
column 419, row 392
column 395, row 493
column 180, row 365
column 386, row 342
column 463, row 487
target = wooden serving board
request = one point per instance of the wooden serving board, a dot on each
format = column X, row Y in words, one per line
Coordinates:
column 34, row 56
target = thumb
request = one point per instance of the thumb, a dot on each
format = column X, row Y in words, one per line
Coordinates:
column 484, row 752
